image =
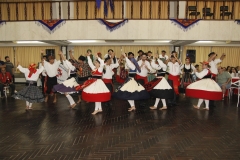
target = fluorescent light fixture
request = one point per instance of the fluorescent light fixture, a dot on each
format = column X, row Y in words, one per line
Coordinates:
column 82, row 41
column 27, row 42
column 167, row 41
column 204, row 42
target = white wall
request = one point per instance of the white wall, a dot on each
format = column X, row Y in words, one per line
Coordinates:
column 133, row 30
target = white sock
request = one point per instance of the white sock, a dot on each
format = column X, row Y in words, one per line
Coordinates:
column 164, row 102
column 27, row 103
column 131, row 102
column 96, row 106
column 30, row 105
column 199, row 102
column 99, row 106
column 207, row 103
column 156, row 102
column 70, row 99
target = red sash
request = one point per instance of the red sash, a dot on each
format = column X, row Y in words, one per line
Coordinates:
column 176, row 82
column 107, row 80
column 143, row 78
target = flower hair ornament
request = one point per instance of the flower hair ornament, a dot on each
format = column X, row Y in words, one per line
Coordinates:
column 32, row 69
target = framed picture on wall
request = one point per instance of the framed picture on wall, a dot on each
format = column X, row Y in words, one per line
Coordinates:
column 177, row 49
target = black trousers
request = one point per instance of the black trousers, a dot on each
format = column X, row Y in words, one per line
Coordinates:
column 43, row 80
column 12, row 86
column 51, row 81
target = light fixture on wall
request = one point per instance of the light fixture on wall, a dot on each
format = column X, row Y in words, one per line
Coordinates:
column 205, row 42
column 82, row 41
column 27, row 42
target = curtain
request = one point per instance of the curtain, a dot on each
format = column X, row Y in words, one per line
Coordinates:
column 81, row 50
column 201, row 53
column 232, row 55
column 27, row 55
column 6, row 51
column 236, row 10
column 231, row 59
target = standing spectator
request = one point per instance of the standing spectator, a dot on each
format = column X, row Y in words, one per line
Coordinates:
column 2, row 64
column 9, row 67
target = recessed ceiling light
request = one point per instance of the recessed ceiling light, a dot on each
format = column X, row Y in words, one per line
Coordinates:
column 204, row 42
column 82, row 41
column 28, row 42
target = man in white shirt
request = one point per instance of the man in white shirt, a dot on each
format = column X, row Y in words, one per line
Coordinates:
column 51, row 69
column 43, row 74
column 139, row 57
column 213, row 62
column 145, row 67
column 163, row 56
column 174, row 78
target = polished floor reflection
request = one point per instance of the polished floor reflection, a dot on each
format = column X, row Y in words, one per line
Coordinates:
column 53, row 131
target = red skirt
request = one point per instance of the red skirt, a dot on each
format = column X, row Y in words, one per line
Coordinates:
column 176, row 82
column 142, row 78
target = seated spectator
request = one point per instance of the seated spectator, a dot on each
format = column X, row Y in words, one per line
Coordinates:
column 233, row 72
column 6, row 80
column 224, row 80
column 228, row 69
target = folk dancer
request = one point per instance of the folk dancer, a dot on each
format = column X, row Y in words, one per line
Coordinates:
column 131, row 90
column 205, row 89
column 31, row 94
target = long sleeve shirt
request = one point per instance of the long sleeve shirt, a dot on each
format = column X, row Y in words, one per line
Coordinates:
column 144, row 71
column 109, row 70
column 51, row 69
column 201, row 74
column 213, row 65
column 26, row 71
column 174, row 68
column 90, row 63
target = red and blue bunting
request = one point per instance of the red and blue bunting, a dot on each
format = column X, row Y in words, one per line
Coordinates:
column 2, row 23
column 113, row 25
column 185, row 24
column 51, row 25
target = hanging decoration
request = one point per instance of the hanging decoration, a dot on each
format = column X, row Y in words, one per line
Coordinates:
column 2, row 23
column 185, row 24
column 51, row 25
column 237, row 21
column 113, row 25
column 106, row 4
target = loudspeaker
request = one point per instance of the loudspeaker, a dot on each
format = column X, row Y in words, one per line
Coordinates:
column 50, row 52
column 192, row 55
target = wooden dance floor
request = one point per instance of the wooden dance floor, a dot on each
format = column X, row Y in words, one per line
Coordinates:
column 53, row 131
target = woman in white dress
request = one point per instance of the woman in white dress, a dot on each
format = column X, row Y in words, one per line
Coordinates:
column 205, row 89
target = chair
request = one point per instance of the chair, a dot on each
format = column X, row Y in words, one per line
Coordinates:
column 230, row 90
column 224, row 11
column 6, row 90
column 236, row 85
column 207, row 12
column 193, row 11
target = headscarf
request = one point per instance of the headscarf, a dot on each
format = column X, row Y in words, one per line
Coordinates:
column 32, row 69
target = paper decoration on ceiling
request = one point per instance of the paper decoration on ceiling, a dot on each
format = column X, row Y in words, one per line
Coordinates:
column 237, row 21
column 51, row 25
column 185, row 24
column 107, row 3
column 2, row 23
column 114, row 24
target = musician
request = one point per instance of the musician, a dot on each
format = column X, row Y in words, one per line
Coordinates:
column 6, row 80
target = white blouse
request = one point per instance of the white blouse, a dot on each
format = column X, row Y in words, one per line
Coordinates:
column 174, row 69
column 51, row 69
column 144, row 71
column 34, row 76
